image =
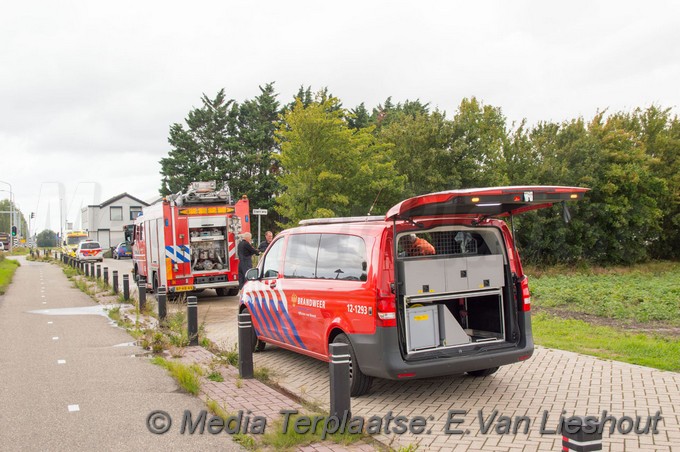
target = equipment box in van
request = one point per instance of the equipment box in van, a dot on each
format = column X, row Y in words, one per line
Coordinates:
column 435, row 287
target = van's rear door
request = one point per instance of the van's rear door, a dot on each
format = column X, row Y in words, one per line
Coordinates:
column 488, row 202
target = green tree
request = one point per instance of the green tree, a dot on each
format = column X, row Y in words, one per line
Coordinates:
column 421, row 148
column 6, row 220
column 330, row 169
column 257, row 168
column 205, row 149
column 661, row 134
column 47, row 238
column 478, row 138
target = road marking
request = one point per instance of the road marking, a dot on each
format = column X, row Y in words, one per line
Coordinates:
column 50, row 323
column 55, row 338
column 61, row 361
column 73, row 408
column 44, row 302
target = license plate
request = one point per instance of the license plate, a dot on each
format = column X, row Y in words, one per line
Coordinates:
column 183, row 288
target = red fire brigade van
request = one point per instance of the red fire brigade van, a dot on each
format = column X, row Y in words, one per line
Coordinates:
column 187, row 242
column 433, row 288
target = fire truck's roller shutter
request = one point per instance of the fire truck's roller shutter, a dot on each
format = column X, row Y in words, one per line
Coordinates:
column 202, row 222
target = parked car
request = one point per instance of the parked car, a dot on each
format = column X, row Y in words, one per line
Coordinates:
column 122, row 250
column 89, row 250
column 435, row 287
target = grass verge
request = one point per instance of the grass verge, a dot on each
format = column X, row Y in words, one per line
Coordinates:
column 606, row 342
column 640, row 293
column 278, row 440
column 7, row 269
column 188, row 377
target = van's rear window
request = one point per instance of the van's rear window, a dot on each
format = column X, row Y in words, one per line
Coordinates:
column 90, row 246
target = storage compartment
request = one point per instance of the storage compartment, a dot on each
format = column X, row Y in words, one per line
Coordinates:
column 454, row 321
column 454, row 297
column 208, row 244
column 423, row 328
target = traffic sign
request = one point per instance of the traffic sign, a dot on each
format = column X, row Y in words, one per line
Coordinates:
column 259, row 211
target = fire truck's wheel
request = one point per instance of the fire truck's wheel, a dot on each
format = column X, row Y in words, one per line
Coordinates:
column 155, row 283
column 359, row 382
column 232, row 292
column 483, row 372
column 221, row 292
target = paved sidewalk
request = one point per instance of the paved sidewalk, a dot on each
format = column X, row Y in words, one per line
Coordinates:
column 72, row 382
column 551, row 381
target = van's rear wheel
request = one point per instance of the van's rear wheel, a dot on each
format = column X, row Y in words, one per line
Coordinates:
column 360, row 383
column 483, row 372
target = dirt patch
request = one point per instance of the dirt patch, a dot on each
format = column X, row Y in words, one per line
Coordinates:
column 656, row 328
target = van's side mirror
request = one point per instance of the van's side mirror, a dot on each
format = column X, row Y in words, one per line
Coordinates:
column 253, row 274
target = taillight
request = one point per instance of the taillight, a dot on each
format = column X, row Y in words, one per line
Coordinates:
column 526, row 296
column 386, row 306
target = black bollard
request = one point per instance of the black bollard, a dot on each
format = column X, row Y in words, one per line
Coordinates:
column 126, row 287
column 141, row 285
column 114, row 283
column 99, row 272
column 106, row 276
column 245, row 345
column 87, row 269
column 92, row 270
column 162, row 298
column 339, row 380
column 577, row 435
column 192, row 320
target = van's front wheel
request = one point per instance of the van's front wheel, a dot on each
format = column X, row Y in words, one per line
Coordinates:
column 359, row 382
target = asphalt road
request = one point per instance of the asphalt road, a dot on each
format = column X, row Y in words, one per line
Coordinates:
column 69, row 382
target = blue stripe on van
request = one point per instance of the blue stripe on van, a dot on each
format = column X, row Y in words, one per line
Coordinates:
column 265, row 305
column 283, row 325
column 292, row 326
column 265, row 322
column 254, row 313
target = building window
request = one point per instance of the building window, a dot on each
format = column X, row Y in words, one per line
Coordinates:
column 135, row 211
column 116, row 213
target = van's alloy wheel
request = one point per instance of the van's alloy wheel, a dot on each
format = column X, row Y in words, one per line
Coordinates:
column 360, row 383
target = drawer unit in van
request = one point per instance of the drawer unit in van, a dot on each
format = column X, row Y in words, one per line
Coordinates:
column 423, row 276
column 484, row 271
column 453, row 274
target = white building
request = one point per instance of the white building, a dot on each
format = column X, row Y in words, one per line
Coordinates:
column 104, row 222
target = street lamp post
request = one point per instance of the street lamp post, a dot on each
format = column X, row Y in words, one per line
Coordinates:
column 11, row 215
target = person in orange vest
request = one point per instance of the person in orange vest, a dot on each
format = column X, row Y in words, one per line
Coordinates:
column 415, row 246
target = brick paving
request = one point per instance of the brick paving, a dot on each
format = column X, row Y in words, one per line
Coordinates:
column 551, row 382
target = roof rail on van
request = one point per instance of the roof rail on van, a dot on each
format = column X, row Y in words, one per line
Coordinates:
column 335, row 220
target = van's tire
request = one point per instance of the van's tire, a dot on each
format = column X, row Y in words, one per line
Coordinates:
column 258, row 345
column 483, row 372
column 360, row 383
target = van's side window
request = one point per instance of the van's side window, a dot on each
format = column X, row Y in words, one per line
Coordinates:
column 272, row 261
column 341, row 257
column 301, row 256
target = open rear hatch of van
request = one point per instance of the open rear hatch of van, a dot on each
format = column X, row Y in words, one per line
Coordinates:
column 460, row 296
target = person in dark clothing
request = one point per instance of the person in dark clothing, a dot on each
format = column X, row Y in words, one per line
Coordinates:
column 268, row 237
column 245, row 251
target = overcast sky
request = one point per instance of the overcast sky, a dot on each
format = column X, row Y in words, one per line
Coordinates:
column 88, row 90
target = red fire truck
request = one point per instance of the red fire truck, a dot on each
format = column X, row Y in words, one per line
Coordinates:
column 188, row 241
